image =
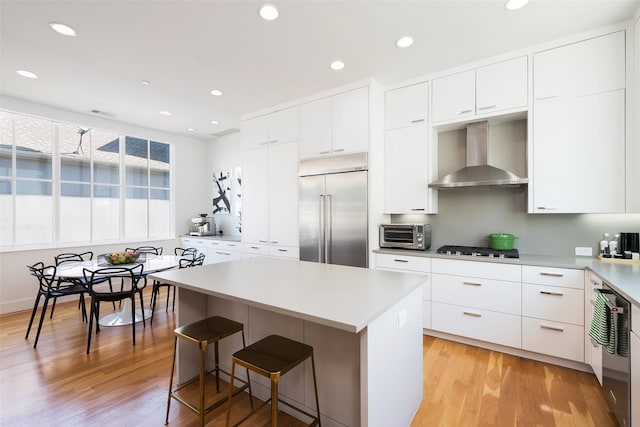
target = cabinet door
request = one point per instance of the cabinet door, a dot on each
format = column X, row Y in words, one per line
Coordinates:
column 283, row 194
column 501, row 86
column 283, row 125
column 406, row 106
column 578, row 154
column 255, row 197
column 453, row 97
column 254, row 133
column 590, row 66
column 350, row 119
column 407, row 170
column 315, row 128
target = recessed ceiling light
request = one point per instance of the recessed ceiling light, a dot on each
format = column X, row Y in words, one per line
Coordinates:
column 145, row 82
column 214, row 122
column 216, row 92
column 164, row 113
column 405, row 41
column 63, row 29
column 27, row 74
column 337, row 65
column 191, row 129
column 515, row 4
column 269, row 12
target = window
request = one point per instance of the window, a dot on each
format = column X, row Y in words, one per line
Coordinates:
column 65, row 184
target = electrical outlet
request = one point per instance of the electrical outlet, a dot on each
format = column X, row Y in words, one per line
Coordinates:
column 584, row 251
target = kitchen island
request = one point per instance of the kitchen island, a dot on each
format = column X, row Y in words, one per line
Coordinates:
column 365, row 327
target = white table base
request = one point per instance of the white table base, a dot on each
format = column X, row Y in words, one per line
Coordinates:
column 123, row 317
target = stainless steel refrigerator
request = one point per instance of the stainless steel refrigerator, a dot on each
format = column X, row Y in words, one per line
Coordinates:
column 333, row 219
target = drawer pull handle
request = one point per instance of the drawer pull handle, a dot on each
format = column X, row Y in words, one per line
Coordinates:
column 337, row 150
column 558, row 294
column 542, row 98
column 468, row 313
column 273, row 141
column 401, row 260
column 472, row 283
column 223, row 253
column 231, row 244
column 263, row 241
column 547, row 208
column 552, row 274
column 462, row 112
column 282, row 250
column 417, row 209
column 417, row 121
column 255, row 247
column 324, row 152
column 487, row 107
column 551, row 328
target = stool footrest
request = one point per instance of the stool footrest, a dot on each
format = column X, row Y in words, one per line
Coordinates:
column 174, row 394
column 315, row 421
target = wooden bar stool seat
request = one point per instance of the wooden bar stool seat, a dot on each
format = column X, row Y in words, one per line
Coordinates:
column 201, row 334
column 272, row 357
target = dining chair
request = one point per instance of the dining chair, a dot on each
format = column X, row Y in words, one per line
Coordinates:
column 49, row 287
column 183, row 263
column 147, row 249
column 99, row 291
column 71, row 257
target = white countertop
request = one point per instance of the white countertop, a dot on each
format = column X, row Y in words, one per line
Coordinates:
column 225, row 237
column 624, row 278
column 346, row 298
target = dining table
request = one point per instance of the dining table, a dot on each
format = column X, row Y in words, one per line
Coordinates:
column 73, row 271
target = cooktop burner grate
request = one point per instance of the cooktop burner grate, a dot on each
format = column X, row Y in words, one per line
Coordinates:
column 477, row 251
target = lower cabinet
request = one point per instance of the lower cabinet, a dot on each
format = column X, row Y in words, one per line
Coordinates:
column 215, row 251
column 553, row 338
column 635, row 366
column 251, row 250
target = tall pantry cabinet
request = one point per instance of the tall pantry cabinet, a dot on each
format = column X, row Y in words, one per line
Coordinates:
column 270, row 184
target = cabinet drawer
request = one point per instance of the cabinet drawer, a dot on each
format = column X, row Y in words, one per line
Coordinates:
column 499, row 328
column 553, row 338
column 487, row 294
column 255, row 249
column 566, row 277
column 426, row 314
column 284, row 251
column 224, row 245
column 402, row 262
column 553, row 303
column 488, row 270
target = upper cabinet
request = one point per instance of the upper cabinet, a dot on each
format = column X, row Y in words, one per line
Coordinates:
column 280, row 126
column 337, row 124
column 578, row 149
column 480, row 92
column 583, row 68
column 405, row 106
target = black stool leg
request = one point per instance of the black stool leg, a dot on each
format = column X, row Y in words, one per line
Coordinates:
column 315, row 387
column 173, row 366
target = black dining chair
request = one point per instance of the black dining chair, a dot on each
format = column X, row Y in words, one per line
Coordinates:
column 49, row 287
column 183, row 263
column 71, row 257
column 99, row 291
column 146, row 249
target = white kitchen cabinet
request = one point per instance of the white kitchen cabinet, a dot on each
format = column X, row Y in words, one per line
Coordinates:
column 407, row 170
column 481, row 92
column 280, row 126
column 338, row 124
column 553, row 303
column 406, row 106
column 553, row 276
column 215, row 250
column 494, row 295
column 586, row 67
column 415, row 265
column 579, row 154
column 270, row 198
column 485, row 270
column 553, row 338
column 635, row 365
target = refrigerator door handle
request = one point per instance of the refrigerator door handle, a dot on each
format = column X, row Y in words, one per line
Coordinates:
column 328, row 228
column 321, row 230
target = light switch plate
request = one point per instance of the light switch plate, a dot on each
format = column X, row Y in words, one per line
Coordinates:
column 584, row 251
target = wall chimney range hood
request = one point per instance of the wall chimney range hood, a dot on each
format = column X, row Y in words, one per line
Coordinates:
column 477, row 172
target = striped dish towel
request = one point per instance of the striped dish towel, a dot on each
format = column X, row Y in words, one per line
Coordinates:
column 603, row 326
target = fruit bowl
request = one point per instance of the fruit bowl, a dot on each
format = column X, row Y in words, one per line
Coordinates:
column 117, row 258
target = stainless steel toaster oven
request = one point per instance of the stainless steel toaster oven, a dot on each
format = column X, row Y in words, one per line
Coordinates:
column 405, row 236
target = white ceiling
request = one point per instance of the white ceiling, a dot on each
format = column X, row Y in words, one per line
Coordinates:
column 186, row 48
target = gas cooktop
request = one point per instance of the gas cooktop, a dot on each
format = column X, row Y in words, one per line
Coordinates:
column 477, row 251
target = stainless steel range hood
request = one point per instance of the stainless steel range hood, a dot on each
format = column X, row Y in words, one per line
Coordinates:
column 477, row 172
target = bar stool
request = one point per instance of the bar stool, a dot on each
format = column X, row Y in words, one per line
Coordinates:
column 272, row 357
column 203, row 333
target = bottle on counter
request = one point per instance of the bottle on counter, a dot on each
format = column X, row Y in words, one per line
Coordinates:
column 613, row 245
column 604, row 245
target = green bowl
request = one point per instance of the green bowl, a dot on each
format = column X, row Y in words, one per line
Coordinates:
column 118, row 258
column 501, row 241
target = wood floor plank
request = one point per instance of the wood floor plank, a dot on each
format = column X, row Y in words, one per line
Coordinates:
column 58, row 384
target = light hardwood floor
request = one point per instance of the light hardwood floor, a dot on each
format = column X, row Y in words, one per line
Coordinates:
column 57, row 384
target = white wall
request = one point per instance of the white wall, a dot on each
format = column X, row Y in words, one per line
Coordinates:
column 192, row 187
column 225, row 154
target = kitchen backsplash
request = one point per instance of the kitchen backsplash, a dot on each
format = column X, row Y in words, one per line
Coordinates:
column 467, row 217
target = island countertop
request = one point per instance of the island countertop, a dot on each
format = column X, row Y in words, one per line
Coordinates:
column 346, row 298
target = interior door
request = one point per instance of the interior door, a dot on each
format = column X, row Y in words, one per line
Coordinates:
column 346, row 219
column 310, row 217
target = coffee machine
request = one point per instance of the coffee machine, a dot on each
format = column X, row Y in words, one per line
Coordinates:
column 202, row 225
